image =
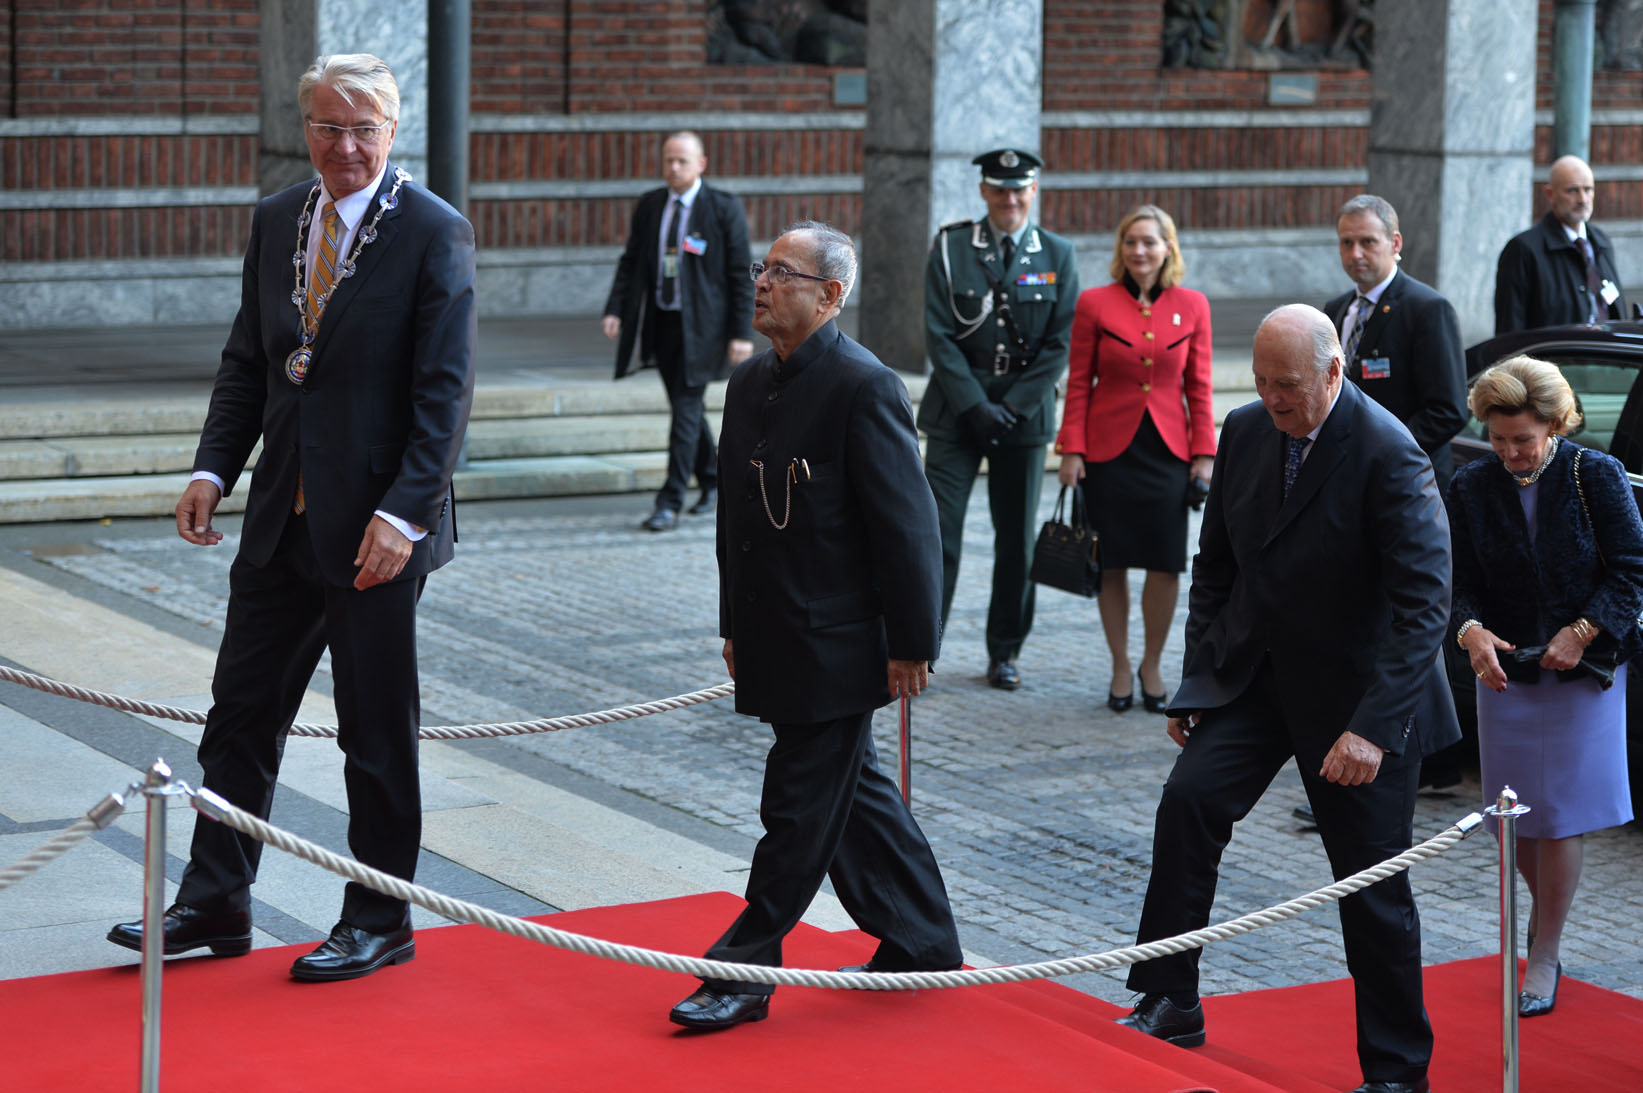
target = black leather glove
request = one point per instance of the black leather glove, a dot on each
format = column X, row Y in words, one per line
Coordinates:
column 988, row 421
column 1197, row 492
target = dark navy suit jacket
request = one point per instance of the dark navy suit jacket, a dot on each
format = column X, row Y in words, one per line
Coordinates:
column 1344, row 585
column 380, row 419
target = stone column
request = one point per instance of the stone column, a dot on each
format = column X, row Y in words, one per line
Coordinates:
column 1451, row 139
column 946, row 79
column 294, row 32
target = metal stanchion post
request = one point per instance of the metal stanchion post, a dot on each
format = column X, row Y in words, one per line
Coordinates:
column 1506, row 809
column 159, row 775
column 907, row 750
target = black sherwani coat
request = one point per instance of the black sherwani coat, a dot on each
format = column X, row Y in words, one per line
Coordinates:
column 1413, row 330
column 1540, row 279
column 816, row 608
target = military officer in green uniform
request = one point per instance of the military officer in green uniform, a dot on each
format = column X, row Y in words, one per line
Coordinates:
column 998, row 310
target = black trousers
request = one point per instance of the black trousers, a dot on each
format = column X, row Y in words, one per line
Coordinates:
column 1015, row 478
column 1229, row 761
column 281, row 617
column 690, row 447
column 829, row 811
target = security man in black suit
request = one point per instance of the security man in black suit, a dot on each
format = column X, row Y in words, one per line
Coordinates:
column 1562, row 270
column 830, row 604
column 1320, row 596
column 999, row 295
column 1401, row 338
column 359, row 391
column 681, row 295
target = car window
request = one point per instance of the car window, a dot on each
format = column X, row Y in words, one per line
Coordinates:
column 1604, row 389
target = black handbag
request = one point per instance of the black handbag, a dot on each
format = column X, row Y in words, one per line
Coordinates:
column 1066, row 556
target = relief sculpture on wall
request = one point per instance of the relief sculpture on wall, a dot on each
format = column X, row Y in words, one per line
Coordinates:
column 1268, row 34
column 818, row 32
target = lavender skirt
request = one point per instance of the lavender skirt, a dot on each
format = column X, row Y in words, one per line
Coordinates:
column 1562, row 748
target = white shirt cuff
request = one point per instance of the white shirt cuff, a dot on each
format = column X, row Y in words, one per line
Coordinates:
column 405, row 528
column 207, row 476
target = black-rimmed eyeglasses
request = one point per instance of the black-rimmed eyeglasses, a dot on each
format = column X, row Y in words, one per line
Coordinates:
column 780, row 274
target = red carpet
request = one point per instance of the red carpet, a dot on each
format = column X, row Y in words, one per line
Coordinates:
column 477, row 1010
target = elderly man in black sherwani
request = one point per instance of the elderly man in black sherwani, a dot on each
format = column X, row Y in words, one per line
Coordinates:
column 830, row 606
column 1320, row 596
column 354, row 367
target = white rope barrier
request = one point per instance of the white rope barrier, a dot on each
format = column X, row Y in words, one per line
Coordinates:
column 435, row 732
column 96, row 818
column 460, row 910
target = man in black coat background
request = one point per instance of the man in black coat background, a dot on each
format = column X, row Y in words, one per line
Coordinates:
column 830, row 607
column 1401, row 339
column 682, row 297
column 360, row 394
column 1319, row 600
column 1562, row 270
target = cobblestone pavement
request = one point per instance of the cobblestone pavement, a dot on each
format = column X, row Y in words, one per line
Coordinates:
column 1039, row 803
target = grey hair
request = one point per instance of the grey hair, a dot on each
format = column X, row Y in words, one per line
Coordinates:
column 1326, row 344
column 1378, row 207
column 350, row 74
column 834, row 254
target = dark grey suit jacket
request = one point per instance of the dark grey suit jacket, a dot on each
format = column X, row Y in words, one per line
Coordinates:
column 1344, row 585
column 1540, row 279
column 1414, row 329
column 380, row 419
column 817, row 608
column 716, row 295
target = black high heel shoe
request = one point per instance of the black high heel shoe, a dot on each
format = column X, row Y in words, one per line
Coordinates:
column 1538, row 1005
column 1153, row 703
column 1119, row 703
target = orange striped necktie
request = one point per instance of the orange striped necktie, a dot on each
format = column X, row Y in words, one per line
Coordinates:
column 320, row 283
column 324, row 275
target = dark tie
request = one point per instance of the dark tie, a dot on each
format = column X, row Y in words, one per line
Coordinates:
column 670, row 256
column 1594, row 282
column 1294, row 449
column 1360, row 309
column 1008, row 247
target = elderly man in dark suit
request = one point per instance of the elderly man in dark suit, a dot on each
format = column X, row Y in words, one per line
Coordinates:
column 830, row 607
column 1320, row 595
column 681, row 295
column 1401, row 338
column 1562, row 270
column 359, row 391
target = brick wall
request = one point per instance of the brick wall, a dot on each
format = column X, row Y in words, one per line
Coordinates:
column 32, row 235
column 121, row 57
column 518, row 57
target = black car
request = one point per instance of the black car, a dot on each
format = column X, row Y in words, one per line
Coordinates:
column 1604, row 365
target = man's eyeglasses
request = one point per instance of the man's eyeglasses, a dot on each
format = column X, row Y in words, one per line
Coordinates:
column 366, row 135
column 779, row 275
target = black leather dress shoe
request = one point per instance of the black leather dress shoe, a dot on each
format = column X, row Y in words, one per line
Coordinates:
column 352, row 953
column 185, row 928
column 661, row 520
column 1158, row 1017
column 1539, row 1005
column 714, row 1009
column 1419, row 1085
column 708, row 503
column 1003, row 675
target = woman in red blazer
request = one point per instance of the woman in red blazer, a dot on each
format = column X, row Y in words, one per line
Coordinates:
column 1137, row 428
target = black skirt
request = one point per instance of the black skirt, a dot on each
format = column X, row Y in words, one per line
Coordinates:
column 1138, row 503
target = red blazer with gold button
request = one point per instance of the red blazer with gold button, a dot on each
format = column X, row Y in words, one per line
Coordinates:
column 1128, row 357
